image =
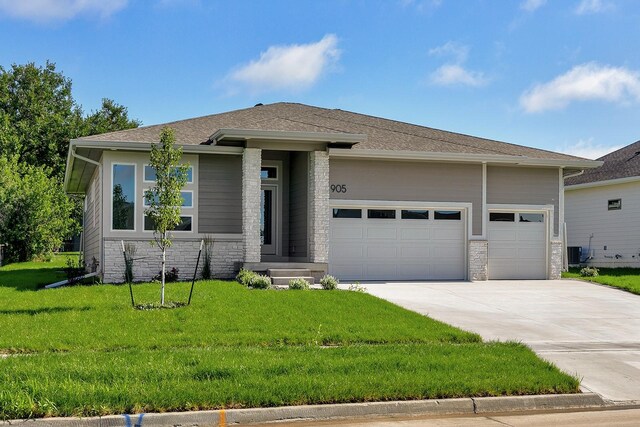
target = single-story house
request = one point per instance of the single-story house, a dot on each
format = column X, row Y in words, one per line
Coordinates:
column 602, row 207
column 360, row 197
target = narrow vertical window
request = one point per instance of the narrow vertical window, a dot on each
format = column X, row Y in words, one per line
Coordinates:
column 123, row 197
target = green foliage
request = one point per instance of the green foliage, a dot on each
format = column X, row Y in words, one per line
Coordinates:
column 329, row 282
column 299, row 284
column 244, row 277
column 627, row 279
column 260, row 281
column 207, row 253
column 589, row 272
column 74, row 269
column 38, row 115
column 109, row 118
column 35, row 213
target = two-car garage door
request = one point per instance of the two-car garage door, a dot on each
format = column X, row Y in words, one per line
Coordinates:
column 369, row 243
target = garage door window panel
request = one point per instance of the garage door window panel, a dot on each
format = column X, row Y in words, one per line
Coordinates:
column 502, row 217
column 447, row 215
column 531, row 217
column 414, row 214
column 347, row 213
column 381, row 213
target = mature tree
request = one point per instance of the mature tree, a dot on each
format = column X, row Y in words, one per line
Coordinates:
column 35, row 213
column 165, row 199
column 111, row 117
column 38, row 115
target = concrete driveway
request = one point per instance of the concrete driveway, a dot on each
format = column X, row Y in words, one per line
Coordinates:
column 585, row 329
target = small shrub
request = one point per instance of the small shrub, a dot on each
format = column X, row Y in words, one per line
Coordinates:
column 357, row 287
column 299, row 284
column 589, row 272
column 244, row 277
column 260, row 281
column 74, row 270
column 328, row 282
column 169, row 276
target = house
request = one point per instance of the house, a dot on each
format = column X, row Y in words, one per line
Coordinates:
column 364, row 198
column 602, row 207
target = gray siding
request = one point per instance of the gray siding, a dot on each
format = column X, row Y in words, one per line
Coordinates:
column 409, row 181
column 527, row 186
column 299, row 204
column 220, row 194
column 93, row 220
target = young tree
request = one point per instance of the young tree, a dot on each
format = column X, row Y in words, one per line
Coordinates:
column 165, row 199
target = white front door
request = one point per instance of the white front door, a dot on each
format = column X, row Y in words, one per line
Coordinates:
column 517, row 245
column 397, row 244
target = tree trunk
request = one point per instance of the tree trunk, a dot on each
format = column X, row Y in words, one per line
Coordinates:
column 164, row 252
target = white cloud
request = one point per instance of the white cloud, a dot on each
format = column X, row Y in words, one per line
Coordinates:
column 593, row 6
column 585, row 82
column 532, row 5
column 59, row 10
column 291, row 67
column 588, row 149
column 454, row 74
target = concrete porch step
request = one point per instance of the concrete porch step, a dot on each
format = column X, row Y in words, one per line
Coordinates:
column 289, row 272
column 284, row 281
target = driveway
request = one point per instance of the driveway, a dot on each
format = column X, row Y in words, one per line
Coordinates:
column 588, row 330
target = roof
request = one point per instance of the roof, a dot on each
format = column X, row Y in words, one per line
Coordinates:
column 623, row 163
column 381, row 134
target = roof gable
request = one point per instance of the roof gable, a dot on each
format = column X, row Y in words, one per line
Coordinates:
column 623, row 163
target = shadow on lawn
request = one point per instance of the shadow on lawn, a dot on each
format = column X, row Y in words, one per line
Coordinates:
column 44, row 310
column 30, row 279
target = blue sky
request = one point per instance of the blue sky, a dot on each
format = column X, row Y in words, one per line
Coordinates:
column 562, row 75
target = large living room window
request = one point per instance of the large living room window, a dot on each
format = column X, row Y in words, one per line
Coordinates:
column 123, row 197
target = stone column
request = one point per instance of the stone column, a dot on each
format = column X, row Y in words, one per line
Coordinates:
column 319, row 206
column 478, row 259
column 251, row 183
column 556, row 260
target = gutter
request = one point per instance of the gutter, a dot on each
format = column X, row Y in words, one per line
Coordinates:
column 603, row 183
column 572, row 175
column 461, row 158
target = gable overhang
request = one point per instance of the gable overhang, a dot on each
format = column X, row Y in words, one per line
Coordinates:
column 240, row 137
column 577, row 164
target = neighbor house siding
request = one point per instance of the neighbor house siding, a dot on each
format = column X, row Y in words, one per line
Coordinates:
column 586, row 213
column 409, row 181
column 92, row 221
column 220, row 190
column 299, row 205
column 524, row 186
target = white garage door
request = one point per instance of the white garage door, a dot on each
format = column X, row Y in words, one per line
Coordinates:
column 517, row 245
column 397, row 244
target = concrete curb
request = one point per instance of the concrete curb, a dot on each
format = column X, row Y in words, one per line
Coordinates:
column 435, row 407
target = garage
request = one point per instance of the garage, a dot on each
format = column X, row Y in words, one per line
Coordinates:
column 370, row 243
column 517, row 245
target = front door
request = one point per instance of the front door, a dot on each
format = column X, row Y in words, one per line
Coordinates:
column 268, row 216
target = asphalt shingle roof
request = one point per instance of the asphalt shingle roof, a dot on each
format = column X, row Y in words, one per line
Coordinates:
column 382, row 134
column 623, row 163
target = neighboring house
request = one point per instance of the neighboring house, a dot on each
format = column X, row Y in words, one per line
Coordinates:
column 602, row 210
column 361, row 197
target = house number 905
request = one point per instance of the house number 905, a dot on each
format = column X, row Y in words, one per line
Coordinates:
column 338, row 188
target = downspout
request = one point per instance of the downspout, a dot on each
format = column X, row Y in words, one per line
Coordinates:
column 72, row 151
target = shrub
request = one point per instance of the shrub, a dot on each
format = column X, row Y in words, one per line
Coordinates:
column 244, row 276
column 589, row 272
column 328, row 282
column 260, row 281
column 299, row 284
column 74, row 270
column 357, row 287
column 169, row 276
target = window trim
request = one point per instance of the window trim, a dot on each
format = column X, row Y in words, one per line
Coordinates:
column 144, row 178
column 276, row 167
column 135, row 192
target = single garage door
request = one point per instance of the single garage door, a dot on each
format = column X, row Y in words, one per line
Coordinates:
column 517, row 245
column 397, row 244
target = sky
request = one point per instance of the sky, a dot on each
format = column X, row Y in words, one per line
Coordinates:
column 561, row 75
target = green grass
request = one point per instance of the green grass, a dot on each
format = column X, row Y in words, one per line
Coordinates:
column 83, row 350
column 622, row 278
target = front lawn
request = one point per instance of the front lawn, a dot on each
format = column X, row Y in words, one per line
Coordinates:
column 83, row 350
column 623, row 278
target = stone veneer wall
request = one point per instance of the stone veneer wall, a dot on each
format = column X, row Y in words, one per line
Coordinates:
column 556, row 260
column 227, row 253
column 478, row 259
column 251, row 186
column 319, row 206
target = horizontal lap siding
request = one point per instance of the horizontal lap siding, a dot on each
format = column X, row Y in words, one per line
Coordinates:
column 220, row 194
column 586, row 213
column 524, row 186
column 92, row 220
column 298, row 208
column 409, row 181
